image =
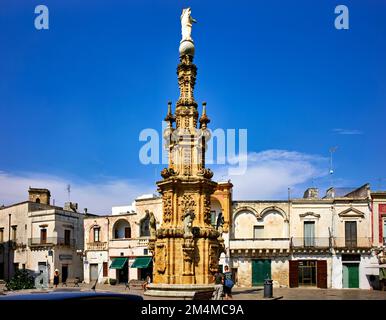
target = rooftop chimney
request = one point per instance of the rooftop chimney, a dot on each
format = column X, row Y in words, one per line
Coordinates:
column 39, row 195
column 71, row 206
column 311, row 193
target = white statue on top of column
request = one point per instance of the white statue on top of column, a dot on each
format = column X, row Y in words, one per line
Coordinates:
column 186, row 24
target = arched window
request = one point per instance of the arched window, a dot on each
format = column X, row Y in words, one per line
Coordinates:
column 144, row 228
column 122, row 230
column 37, row 200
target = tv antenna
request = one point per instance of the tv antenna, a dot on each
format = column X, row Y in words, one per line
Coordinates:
column 332, row 151
column 69, row 192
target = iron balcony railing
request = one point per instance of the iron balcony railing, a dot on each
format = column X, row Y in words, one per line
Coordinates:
column 259, row 243
column 14, row 245
column 352, row 243
column 310, row 242
column 129, row 243
column 51, row 241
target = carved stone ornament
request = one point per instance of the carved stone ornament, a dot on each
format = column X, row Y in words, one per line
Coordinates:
column 167, row 206
column 187, row 203
column 213, row 258
column 207, row 209
column 167, row 172
column 188, row 256
column 309, row 214
column 206, row 173
column 161, row 257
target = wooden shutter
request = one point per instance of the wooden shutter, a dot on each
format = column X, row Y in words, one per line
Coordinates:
column 43, row 235
column 105, row 269
column 293, row 273
column 321, row 274
column 351, row 234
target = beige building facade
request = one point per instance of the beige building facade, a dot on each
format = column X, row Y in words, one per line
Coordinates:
column 39, row 237
column 116, row 246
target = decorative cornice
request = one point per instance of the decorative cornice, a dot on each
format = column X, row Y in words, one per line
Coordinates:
column 354, row 213
column 306, row 214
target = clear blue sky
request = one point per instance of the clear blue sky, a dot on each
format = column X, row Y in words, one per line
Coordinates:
column 74, row 98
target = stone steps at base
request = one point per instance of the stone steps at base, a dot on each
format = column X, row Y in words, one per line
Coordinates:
column 170, row 293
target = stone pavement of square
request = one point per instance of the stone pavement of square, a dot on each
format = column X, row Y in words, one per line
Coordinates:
column 255, row 293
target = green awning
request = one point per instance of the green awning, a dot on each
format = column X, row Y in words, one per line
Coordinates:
column 141, row 262
column 118, row 263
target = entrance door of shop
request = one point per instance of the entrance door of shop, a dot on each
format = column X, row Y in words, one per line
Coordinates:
column 350, row 275
column 307, row 272
column 261, row 270
column 144, row 272
column 123, row 273
column 64, row 273
column 93, row 271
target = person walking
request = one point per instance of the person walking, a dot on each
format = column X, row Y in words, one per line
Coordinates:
column 218, row 285
column 56, row 278
column 228, row 283
column 146, row 283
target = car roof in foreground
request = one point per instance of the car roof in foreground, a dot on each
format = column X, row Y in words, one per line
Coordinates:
column 73, row 295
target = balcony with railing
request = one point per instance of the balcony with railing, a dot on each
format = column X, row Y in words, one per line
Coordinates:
column 51, row 242
column 128, row 243
column 97, row 246
column 310, row 242
column 260, row 243
column 351, row 243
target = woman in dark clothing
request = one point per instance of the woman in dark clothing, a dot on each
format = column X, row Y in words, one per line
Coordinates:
column 56, row 278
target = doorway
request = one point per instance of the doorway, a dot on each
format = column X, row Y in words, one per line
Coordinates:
column 350, row 275
column 144, row 272
column 64, row 273
column 261, row 270
column 307, row 272
column 123, row 273
column 93, row 271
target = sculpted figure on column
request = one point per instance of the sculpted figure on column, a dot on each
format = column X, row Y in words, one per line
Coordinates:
column 186, row 24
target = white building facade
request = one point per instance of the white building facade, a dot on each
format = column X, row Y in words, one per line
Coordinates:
column 316, row 242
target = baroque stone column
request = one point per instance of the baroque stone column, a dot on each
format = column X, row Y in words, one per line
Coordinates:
column 187, row 247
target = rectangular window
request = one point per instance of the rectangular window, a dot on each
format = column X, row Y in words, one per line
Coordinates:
column 15, row 266
column 309, row 233
column 258, row 232
column 351, row 234
column 14, row 233
column 1, row 235
column 97, row 234
column 67, row 237
column 43, row 235
column 127, row 232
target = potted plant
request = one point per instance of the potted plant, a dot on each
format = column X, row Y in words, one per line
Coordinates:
column 113, row 282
